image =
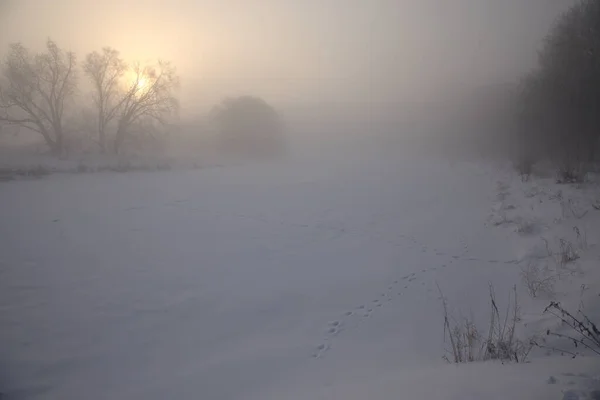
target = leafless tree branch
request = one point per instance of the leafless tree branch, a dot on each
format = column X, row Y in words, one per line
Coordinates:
column 34, row 89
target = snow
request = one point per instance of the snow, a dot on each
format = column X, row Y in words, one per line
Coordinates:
column 311, row 278
column 465, row 382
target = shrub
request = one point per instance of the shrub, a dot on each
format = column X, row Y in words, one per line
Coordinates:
column 538, row 279
column 524, row 166
column 248, row 127
column 571, row 173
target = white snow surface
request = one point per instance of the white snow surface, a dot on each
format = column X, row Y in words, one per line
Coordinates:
column 304, row 279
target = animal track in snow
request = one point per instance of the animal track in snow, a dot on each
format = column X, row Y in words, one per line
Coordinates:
column 335, row 327
column 320, row 350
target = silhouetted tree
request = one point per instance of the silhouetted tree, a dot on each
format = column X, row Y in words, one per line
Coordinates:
column 149, row 95
column 105, row 70
column 247, row 126
column 35, row 90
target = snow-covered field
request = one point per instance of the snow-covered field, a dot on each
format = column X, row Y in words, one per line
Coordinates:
column 304, row 279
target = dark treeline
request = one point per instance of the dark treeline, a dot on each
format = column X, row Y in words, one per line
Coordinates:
column 558, row 105
column 550, row 116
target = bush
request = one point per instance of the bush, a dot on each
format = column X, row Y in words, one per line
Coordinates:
column 524, row 166
column 8, row 174
column 571, row 173
column 248, row 127
column 538, row 279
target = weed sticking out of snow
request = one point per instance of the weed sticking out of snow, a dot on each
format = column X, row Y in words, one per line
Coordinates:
column 582, row 241
column 468, row 344
column 570, row 208
column 567, row 253
column 577, row 330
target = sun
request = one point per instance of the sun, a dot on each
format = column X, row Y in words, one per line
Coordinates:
column 141, row 84
column 138, row 83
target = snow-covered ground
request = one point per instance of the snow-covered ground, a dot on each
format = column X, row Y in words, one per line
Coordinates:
column 313, row 278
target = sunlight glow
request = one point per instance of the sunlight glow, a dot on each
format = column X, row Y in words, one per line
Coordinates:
column 141, row 84
column 138, row 83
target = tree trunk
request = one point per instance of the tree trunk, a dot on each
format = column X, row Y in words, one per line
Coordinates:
column 101, row 138
column 53, row 145
column 60, row 143
column 102, row 130
column 102, row 142
column 119, row 137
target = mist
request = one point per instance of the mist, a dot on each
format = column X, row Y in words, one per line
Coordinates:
column 335, row 70
column 309, row 53
column 299, row 199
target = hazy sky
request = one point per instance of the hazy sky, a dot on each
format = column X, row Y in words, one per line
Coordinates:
column 304, row 50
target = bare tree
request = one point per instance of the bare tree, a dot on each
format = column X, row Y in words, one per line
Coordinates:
column 105, row 70
column 149, row 96
column 35, row 89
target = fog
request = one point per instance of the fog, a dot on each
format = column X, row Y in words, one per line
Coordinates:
column 331, row 68
column 305, row 204
column 291, row 52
